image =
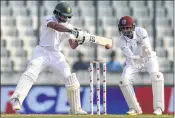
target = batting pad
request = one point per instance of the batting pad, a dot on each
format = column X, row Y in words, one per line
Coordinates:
column 129, row 95
column 73, row 93
column 24, row 85
column 158, row 90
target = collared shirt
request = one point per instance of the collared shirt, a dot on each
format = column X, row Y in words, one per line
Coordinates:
column 51, row 38
column 132, row 47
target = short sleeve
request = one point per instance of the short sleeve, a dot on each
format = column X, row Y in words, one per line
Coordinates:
column 144, row 34
column 144, row 38
column 48, row 19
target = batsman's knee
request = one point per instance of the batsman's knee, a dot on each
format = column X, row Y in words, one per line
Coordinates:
column 34, row 68
column 66, row 72
column 32, row 72
column 30, row 75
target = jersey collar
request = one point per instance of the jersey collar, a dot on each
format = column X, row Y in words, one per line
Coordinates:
column 56, row 18
column 134, row 35
column 128, row 39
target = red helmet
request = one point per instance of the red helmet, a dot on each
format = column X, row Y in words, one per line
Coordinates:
column 126, row 22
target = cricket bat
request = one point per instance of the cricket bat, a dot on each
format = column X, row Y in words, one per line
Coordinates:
column 100, row 40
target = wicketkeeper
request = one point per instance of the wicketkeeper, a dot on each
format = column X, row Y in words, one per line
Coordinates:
column 135, row 44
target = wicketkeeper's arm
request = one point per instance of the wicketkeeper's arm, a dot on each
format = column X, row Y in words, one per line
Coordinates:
column 145, row 43
column 127, row 51
column 136, row 60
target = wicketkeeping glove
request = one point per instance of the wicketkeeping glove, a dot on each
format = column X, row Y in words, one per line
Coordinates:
column 137, row 61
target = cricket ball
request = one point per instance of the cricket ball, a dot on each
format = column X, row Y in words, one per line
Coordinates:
column 107, row 46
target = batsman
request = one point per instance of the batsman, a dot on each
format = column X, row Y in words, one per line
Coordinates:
column 135, row 44
column 47, row 54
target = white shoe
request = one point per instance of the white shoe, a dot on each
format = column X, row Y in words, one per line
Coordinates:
column 158, row 111
column 16, row 104
column 80, row 111
column 133, row 112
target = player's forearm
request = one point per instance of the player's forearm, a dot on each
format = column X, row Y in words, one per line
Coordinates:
column 128, row 52
column 58, row 27
column 146, row 42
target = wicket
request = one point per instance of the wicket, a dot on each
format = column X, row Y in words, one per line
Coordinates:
column 97, row 86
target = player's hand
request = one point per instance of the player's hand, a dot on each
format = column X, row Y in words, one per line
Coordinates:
column 137, row 61
column 84, row 38
column 145, row 51
column 78, row 33
column 75, row 32
column 81, row 40
column 73, row 43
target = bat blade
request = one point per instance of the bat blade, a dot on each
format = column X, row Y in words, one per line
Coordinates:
column 101, row 40
column 104, row 41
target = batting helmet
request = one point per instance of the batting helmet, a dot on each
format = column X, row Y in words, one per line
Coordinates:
column 62, row 11
column 126, row 22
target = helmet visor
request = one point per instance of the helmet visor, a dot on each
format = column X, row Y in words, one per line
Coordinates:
column 126, row 31
column 64, row 18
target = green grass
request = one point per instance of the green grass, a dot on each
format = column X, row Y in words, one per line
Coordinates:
column 81, row 116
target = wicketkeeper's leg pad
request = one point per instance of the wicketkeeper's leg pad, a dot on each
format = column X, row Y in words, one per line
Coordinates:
column 129, row 95
column 158, row 90
column 73, row 93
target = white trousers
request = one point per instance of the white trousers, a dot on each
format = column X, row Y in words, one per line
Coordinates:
column 130, row 72
column 43, row 58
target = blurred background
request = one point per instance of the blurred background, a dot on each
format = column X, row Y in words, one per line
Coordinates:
column 20, row 31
